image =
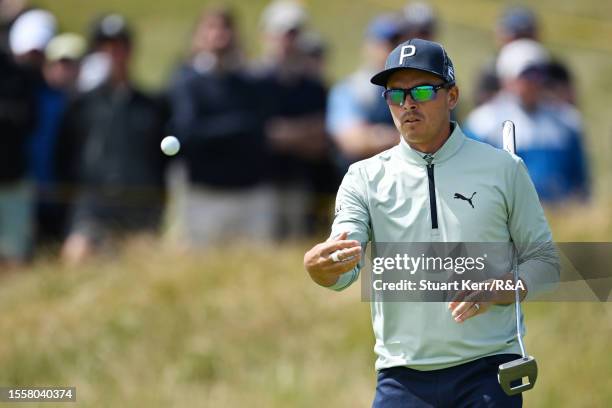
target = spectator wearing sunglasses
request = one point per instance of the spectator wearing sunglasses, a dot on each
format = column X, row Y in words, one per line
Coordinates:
column 549, row 134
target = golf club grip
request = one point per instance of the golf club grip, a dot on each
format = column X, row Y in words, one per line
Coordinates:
column 508, row 137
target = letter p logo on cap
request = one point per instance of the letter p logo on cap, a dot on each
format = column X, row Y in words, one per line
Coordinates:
column 406, row 51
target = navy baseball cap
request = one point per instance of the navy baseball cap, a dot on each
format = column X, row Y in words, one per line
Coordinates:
column 418, row 54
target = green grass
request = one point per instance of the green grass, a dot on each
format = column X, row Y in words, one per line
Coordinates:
column 156, row 328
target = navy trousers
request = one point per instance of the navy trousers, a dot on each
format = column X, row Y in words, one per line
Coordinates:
column 472, row 385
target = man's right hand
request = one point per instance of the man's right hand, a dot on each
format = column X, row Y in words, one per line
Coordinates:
column 320, row 265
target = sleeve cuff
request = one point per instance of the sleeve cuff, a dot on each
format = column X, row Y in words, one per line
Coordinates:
column 540, row 277
column 345, row 280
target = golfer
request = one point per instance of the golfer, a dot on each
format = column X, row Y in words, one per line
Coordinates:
column 436, row 185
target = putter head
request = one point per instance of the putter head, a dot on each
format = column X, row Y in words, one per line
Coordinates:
column 516, row 370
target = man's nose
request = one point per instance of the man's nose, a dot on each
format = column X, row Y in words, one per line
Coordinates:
column 409, row 103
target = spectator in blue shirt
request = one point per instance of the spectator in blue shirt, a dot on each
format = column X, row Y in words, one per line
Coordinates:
column 56, row 89
column 548, row 134
column 357, row 116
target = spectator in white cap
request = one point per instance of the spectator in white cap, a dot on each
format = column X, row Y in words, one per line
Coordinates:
column 548, row 135
column 28, row 38
column 30, row 35
column 63, row 57
column 515, row 23
column 282, row 22
column 520, row 66
column 294, row 101
column 282, row 16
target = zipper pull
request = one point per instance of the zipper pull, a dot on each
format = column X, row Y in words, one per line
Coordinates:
column 428, row 158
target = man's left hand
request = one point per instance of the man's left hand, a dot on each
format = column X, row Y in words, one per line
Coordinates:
column 467, row 303
column 463, row 310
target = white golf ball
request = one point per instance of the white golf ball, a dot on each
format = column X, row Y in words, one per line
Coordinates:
column 170, row 145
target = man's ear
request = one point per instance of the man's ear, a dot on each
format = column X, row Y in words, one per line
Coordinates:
column 453, row 97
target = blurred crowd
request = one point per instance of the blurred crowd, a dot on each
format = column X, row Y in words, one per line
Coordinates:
column 264, row 143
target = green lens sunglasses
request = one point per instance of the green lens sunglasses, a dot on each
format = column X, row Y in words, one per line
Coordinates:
column 421, row 93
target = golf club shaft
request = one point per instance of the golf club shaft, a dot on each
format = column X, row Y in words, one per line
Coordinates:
column 509, row 144
column 517, row 308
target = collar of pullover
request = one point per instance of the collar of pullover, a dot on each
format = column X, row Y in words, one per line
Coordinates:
column 448, row 149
